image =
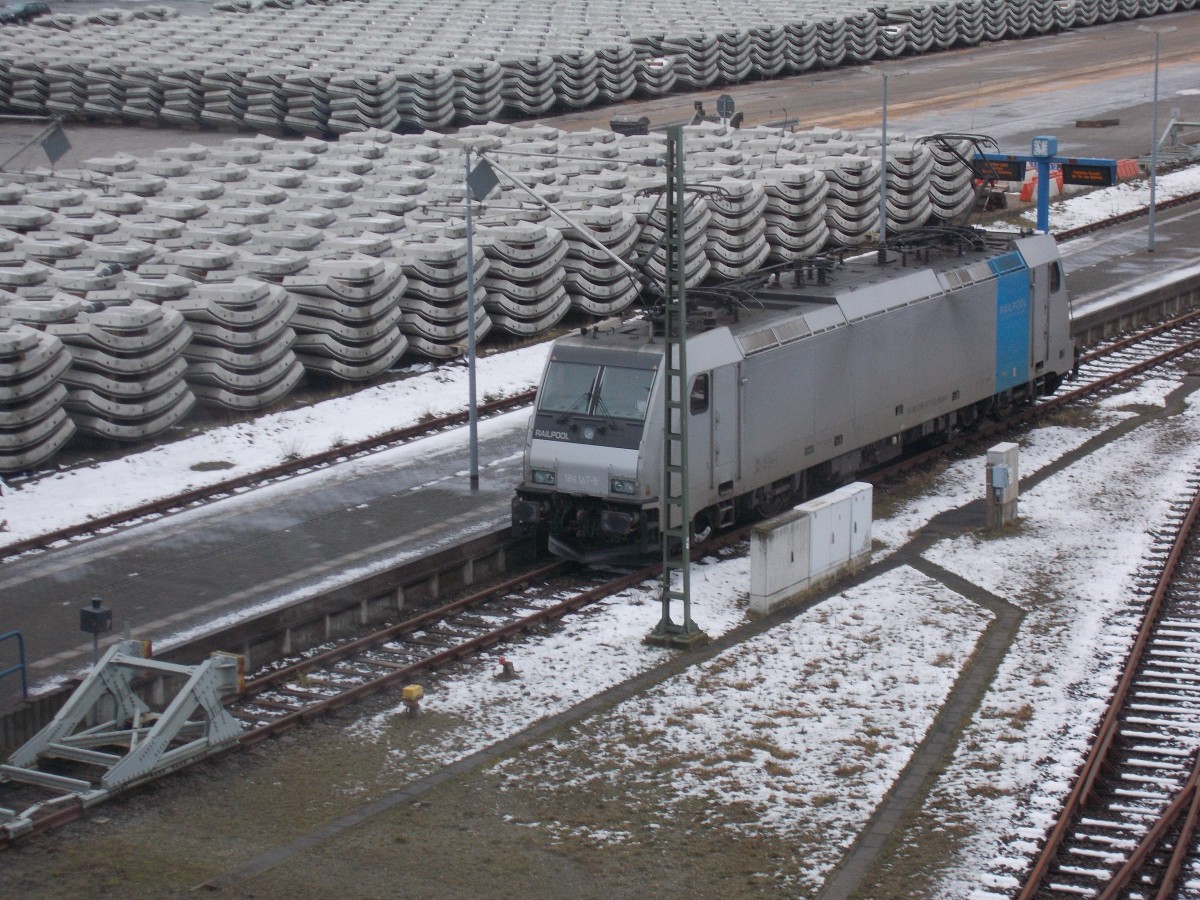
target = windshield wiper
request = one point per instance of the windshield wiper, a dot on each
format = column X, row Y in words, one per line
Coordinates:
column 566, row 413
column 602, row 408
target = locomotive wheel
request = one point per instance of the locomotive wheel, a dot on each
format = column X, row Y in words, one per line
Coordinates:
column 702, row 526
column 772, row 504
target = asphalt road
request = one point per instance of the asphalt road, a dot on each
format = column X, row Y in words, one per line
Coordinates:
column 1009, row 90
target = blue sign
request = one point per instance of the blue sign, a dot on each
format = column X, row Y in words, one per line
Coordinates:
column 1093, row 172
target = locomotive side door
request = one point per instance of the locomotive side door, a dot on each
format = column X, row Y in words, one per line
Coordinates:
column 726, row 414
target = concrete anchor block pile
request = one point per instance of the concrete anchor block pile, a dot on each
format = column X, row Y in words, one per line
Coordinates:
column 227, row 275
column 334, row 68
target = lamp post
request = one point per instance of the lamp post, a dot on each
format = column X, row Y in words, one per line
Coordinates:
column 883, row 73
column 1158, row 33
column 883, row 179
column 472, row 407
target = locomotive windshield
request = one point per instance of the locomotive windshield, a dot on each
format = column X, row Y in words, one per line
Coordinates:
column 615, row 392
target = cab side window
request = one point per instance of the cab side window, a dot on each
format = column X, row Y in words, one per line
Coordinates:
column 1055, row 277
column 698, row 398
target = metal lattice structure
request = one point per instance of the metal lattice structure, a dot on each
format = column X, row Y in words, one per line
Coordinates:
column 106, row 727
column 675, row 524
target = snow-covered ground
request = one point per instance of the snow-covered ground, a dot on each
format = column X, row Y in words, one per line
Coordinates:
column 809, row 725
column 1075, row 211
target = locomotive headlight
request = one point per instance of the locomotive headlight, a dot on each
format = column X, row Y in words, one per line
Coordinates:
column 622, row 486
column 543, row 476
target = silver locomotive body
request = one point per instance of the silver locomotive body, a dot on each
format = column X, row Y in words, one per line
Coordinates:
column 827, row 371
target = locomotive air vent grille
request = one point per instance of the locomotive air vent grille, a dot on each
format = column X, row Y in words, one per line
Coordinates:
column 971, row 274
column 789, row 331
column 955, row 279
column 757, row 341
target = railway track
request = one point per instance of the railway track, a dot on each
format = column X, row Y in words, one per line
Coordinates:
column 1127, row 829
column 1119, row 219
column 295, row 691
column 309, row 685
column 242, row 483
column 303, row 688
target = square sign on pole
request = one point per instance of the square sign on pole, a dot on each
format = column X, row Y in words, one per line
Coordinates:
column 56, row 144
column 482, row 180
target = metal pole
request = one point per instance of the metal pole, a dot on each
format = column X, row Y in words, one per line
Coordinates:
column 1158, row 33
column 473, row 412
column 1153, row 145
column 1043, row 195
column 883, row 181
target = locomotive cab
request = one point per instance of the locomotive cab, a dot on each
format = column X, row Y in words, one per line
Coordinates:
column 582, row 482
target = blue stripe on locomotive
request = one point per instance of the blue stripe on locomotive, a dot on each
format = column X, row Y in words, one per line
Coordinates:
column 1012, row 320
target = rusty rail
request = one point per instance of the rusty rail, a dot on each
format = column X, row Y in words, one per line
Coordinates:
column 1185, row 806
column 1098, row 757
column 1122, row 218
column 260, row 476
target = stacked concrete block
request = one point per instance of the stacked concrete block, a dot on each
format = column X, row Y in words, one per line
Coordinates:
column 656, row 71
column 802, row 50
column 1081, row 13
column 831, row 42
column 734, row 55
column 425, row 99
column 183, row 95
column 434, row 304
column 578, row 82
column 697, row 58
column 862, row 36
column 650, row 252
column 768, row 50
column 33, row 424
column 525, row 56
column 909, row 167
column 363, row 99
column 736, row 243
column 347, row 323
column 240, row 357
column 617, row 72
column 995, row 21
column 969, row 19
column 6, row 82
column 125, row 381
column 28, row 84
column 795, row 212
column 529, row 83
column 226, row 98
column 951, row 189
column 596, row 284
column 478, row 88
column 524, row 280
column 852, row 204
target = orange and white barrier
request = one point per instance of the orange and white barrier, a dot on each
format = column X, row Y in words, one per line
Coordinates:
column 1029, row 188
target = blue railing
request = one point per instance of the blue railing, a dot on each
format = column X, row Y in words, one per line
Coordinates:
column 20, row 666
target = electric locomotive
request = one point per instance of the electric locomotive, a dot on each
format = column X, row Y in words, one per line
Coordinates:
column 814, row 372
